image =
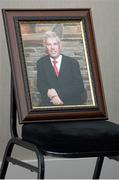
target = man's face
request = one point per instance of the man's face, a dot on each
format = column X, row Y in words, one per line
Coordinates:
column 53, row 47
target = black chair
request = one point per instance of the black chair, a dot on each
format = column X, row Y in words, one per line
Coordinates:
column 62, row 139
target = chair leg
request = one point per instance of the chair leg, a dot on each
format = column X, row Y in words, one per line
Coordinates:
column 7, row 155
column 41, row 167
column 98, row 167
column 39, row 154
column 5, row 162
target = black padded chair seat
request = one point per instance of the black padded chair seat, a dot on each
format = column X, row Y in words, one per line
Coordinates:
column 70, row 137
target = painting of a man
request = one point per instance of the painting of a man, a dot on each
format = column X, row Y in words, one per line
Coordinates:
column 59, row 79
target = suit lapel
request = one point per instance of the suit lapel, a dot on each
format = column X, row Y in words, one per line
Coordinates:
column 50, row 70
column 62, row 67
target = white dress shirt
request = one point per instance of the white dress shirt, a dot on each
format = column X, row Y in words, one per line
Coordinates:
column 59, row 60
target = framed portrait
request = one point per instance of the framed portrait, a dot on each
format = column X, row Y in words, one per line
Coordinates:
column 69, row 89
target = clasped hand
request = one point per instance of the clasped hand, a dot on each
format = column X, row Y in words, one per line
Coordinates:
column 54, row 98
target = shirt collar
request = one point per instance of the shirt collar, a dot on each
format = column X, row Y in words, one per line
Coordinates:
column 58, row 59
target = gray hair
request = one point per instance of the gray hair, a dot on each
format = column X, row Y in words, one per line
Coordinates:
column 50, row 34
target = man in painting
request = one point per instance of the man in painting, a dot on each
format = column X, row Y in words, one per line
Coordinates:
column 59, row 79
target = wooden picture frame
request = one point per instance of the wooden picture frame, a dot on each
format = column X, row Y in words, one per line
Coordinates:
column 25, row 29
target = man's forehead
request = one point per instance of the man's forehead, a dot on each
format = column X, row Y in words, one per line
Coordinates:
column 52, row 40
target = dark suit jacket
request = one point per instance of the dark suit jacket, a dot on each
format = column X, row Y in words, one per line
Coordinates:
column 69, row 84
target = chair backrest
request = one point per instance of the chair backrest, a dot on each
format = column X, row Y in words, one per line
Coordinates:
column 13, row 113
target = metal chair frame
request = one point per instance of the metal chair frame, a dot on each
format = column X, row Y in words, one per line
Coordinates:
column 40, row 169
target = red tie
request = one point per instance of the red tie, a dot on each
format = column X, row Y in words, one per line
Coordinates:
column 55, row 67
